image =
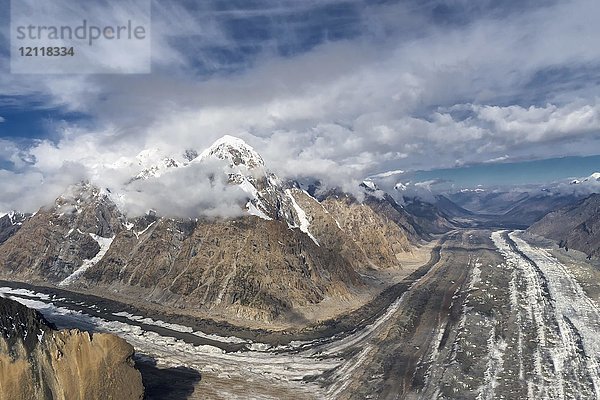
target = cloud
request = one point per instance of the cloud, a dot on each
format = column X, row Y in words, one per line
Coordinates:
column 29, row 190
column 423, row 190
column 199, row 189
column 442, row 88
column 535, row 124
column 498, row 159
column 581, row 186
column 2, row 119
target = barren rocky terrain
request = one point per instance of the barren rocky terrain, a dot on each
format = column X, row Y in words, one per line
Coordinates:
column 490, row 316
column 302, row 294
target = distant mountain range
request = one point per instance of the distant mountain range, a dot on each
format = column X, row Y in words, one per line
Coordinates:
column 526, row 205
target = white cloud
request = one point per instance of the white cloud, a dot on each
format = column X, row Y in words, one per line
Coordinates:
column 451, row 95
column 535, row 124
column 498, row 159
column 28, row 191
column 200, row 189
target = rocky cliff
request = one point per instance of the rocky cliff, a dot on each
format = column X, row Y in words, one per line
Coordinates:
column 39, row 362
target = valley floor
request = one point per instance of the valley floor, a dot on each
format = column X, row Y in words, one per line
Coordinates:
column 491, row 316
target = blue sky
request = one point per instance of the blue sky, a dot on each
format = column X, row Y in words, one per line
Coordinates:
column 510, row 174
column 335, row 89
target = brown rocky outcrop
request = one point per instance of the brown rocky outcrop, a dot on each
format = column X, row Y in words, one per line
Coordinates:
column 39, row 362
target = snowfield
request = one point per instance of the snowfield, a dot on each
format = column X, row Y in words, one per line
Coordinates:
column 104, row 244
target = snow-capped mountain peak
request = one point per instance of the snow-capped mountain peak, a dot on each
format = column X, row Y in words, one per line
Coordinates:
column 235, row 151
column 148, row 157
column 228, row 148
column 266, row 195
column 370, row 184
column 159, row 168
column 595, row 177
column 13, row 217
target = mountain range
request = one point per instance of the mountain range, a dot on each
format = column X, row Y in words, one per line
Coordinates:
column 280, row 251
column 209, row 262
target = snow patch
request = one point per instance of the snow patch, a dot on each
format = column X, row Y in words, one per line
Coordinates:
column 253, row 210
column 137, row 234
column 370, row 184
column 249, row 188
column 179, row 328
column 304, row 223
column 7, row 292
column 104, row 244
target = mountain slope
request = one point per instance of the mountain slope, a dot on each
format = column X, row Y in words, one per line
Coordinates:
column 56, row 241
column 428, row 217
column 533, row 208
column 575, row 226
column 247, row 267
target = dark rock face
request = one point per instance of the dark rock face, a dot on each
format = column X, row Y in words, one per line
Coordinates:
column 20, row 325
column 10, row 224
column 574, row 227
column 39, row 362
